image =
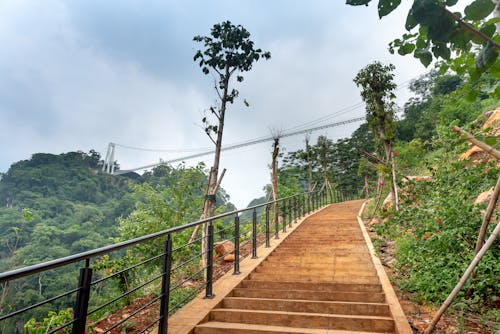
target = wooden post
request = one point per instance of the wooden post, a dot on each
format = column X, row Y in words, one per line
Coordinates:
column 487, row 216
column 463, row 279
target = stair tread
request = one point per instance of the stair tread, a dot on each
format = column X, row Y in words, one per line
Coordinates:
column 350, row 316
column 314, row 291
column 309, row 301
column 275, row 329
column 321, row 286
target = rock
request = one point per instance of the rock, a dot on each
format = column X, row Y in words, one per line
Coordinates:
column 417, row 178
column 223, row 248
column 484, row 197
column 490, row 128
column 229, row 258
column 492, row 124
column 387, row 204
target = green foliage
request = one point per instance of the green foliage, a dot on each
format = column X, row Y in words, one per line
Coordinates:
column 228, row 50
column 53, row 320
column 462, row 42
column 435, row 234
column 341, row 157
column 377, row 91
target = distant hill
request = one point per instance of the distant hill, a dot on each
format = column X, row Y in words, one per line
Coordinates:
column 56, row 205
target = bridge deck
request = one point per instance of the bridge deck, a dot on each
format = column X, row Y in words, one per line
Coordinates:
column 320, row 277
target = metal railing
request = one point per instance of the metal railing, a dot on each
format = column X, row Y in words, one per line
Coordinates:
column 168, row 271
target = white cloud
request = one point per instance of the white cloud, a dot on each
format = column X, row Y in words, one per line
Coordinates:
column 76, row 76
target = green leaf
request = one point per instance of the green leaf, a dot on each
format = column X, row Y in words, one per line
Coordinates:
column 488, row 29
column 472, row 95
column 357, row 2
column 451, row 2
column 387, row 6
column 496, row 93
column 479, row 9
column 424, row 55
column 441, row 50
column 410, row 21
column 486, row 57
column 495, row 69
column 490, row 141
column 406, row 49
column 245, row 102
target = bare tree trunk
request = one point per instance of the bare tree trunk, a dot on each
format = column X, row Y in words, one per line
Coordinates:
column 394, row 182
column 379, row 196
column 390, row 162
column 366, row 186
column 209, row 205
column 309, row 170
column 274, row 174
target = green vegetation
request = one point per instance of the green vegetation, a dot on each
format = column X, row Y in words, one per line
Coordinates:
column 436, row 229
column 466, row 43
column 56, row 205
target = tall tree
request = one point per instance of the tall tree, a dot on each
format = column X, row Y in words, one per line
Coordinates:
column 228, row 51
column 464, row 42
column 377, row 91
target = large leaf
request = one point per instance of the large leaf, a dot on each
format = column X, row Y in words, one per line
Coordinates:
column 406, row 49
column 479, row 9
column 424, row 55
column 357, row 2
column 387, row 6
column 451, row 2
column 410, row 21
column 441, row 50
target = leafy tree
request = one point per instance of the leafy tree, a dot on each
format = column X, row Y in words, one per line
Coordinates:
column 465, row 42
column 227, row 51
column 377, row 91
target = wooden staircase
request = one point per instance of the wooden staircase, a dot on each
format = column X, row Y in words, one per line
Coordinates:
column 320, row 279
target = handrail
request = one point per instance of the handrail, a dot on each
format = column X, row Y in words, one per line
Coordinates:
column 290, row 208
column 36, row 268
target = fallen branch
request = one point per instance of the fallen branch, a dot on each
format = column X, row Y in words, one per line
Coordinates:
column 487, row 216
column 485, row 147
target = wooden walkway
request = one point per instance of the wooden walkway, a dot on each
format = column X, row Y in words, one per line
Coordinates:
column 322, row 277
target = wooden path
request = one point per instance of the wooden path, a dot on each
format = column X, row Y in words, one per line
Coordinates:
column 321, row 277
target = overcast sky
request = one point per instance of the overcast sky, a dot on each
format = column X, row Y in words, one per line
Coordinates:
column 78, row 74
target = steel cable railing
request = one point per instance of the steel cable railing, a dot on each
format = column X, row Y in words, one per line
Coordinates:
column 171, row 277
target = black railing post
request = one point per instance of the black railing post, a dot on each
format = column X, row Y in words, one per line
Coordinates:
column 290, row 212
column 283, row 214
column 82, row 299
column 268, row 242
column 276, row 221
column 210, row 261
column 236, row 245
column 254, row 234
column 308, row 202
column 165, row 287
column 296, row 208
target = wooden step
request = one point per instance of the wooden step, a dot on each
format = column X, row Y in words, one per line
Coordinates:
column 366, row 297
column 286, row 285
column 308, row 270
column 215, row 327
column 315, row 278
column 303, row 319
column 295, row 305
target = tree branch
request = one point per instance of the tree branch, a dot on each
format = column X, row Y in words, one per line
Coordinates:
column 470, row 28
